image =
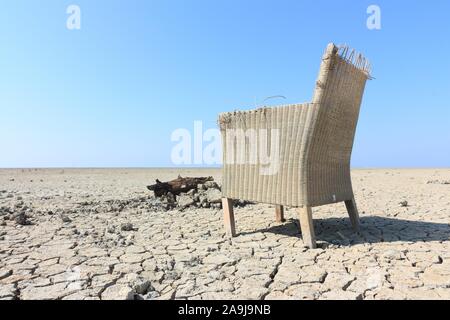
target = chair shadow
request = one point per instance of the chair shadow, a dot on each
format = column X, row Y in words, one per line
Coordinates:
column 373, row 229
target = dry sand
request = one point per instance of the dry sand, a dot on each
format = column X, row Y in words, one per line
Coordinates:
column 75, row 247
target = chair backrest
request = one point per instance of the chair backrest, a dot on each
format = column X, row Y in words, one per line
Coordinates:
column 338, row 92
column 337, row 99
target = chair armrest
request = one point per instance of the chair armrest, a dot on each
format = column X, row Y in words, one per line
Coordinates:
column 249, row 118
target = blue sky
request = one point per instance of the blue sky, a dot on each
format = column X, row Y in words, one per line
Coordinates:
column 111, row 94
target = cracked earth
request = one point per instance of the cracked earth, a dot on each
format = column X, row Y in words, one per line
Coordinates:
column 90, row 234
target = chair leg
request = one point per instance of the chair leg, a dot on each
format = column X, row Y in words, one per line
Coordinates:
column 353, row 213
column 279, row 213
column 307, row 226
column 228, row 215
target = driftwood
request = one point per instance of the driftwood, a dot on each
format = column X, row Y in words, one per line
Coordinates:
column 177, row 186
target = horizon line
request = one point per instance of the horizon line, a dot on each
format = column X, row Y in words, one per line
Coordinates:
column 184, row 168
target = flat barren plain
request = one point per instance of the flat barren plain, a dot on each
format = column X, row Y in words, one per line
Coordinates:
column 100, row 234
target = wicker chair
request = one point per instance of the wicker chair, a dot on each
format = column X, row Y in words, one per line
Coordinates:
column 297, row 155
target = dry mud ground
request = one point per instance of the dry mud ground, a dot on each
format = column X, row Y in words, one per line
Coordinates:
column 77, row 247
